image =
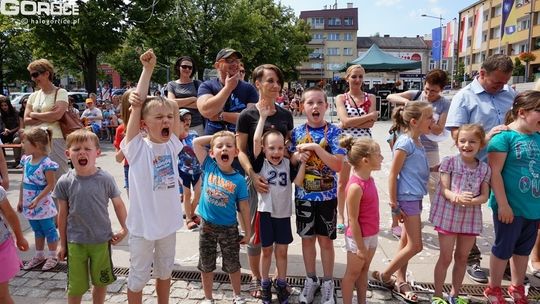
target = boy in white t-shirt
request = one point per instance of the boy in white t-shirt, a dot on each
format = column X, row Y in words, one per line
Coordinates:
column 154, row 206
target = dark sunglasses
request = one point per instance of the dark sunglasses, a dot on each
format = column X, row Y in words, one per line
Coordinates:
column 35, row 74
column 242, row 71
column 187, row 67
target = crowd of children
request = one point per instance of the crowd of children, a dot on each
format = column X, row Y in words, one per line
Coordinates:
column 214, row 193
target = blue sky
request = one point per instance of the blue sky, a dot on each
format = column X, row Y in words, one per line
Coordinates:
column 398, row 18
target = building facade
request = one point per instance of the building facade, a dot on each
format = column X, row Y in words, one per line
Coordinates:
column 490, row 27
column 333, row 42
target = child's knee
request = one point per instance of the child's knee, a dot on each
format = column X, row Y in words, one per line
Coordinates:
column 267, row 251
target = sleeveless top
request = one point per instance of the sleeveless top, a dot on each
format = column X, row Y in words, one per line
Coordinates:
column 355, row 109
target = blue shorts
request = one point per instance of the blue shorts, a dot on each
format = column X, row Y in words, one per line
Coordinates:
column 516, row 238
column 274, row 230
column 189, row 180
column 44, row 228
column 411, row 207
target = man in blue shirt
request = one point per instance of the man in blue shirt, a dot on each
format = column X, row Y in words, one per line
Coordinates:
column 222, row 99
column 484, row 101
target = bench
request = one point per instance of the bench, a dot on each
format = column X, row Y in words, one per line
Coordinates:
column 12, row 147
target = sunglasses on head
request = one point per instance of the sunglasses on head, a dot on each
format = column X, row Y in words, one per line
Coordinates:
column 187, row 67
column 35, row 74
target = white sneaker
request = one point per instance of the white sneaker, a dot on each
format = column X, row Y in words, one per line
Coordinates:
column 239, row 300
column 309, row 290
column 327, row 292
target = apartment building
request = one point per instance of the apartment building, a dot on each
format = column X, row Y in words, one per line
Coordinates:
column 333, row 32
column 498, row 26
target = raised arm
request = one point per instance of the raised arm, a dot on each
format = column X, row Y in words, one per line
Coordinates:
column 264, row 111
column 199, row 147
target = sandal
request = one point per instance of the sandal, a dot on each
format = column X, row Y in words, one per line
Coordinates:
column 50, row 263
column 378, row 277
column 34, row 262
column 517, row 293
column 255, row 289
column 408, row 296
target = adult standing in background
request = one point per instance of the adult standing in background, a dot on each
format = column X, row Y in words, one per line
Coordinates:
column 184, row 91
column 222, row 99
column 45, row 107
column 10, row 125
column 484, row 101
column 357, row 114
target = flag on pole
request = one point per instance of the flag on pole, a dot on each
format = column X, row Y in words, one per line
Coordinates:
column 449, row 45
column 478, row 21
column 436, row 47
column 509, row 20
column 463, row 34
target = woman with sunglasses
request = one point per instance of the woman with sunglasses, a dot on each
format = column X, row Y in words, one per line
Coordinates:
column 184, row 91
column 45, row 107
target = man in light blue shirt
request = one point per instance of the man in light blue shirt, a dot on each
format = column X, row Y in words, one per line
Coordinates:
column 485, row 101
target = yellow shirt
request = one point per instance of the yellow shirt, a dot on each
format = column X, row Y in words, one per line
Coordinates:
column 42, row 102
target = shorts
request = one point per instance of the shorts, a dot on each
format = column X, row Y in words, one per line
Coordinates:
column 411, row 208
column 228, row 239
column 446, row 232
column 154, row 257
column 189, row 180
column 316, row 218
column 370, row 242
column 9, row 259
column 45, row 228
column 274, row 230
column 516, row 238
column 85, row 258
column 254, row 245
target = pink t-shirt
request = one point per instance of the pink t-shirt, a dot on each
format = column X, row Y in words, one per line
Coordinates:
column 368, row 216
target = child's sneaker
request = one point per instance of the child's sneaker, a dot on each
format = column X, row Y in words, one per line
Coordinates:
column 327, row 292
column 438, row 300
column 239, row 300
column 50, row 263
column 517, row 293
column 283, row 292
column 309, row 290
column 266, row 291
column 494, row 295
column 34, row 262
column 457, row 300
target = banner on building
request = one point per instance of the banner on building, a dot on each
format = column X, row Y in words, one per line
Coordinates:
column 449, row 38
column 509, row 20
column 464, row 28
column 478, row 21
column 436, row 43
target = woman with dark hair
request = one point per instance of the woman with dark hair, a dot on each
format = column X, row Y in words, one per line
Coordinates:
column 10, row 121
column 184, row 91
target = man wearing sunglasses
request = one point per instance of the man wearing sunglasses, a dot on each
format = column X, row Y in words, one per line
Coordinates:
column 221, row 100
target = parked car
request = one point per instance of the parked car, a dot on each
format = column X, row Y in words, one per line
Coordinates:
column 80, row 98
column 119, row 92
column 16, row 101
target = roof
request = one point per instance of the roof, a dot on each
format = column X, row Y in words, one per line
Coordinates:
column 375, row 60
column 391, row 42
column 339, row 13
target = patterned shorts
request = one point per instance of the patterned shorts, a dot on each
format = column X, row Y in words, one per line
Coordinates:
column 228, row 239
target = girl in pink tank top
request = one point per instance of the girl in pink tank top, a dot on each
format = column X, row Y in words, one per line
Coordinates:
column 362, row 204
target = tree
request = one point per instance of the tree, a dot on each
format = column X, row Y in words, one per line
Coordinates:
column 527, row 57
column 14, row 51
column 519, row 68
column 75, row 42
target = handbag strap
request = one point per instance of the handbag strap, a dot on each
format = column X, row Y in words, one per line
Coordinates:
column 55, row 94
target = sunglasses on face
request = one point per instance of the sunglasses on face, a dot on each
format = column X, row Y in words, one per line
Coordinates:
column 35, row 74
column 242, row 71
column 186, row 67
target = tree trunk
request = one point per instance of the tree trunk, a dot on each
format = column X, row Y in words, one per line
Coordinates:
column 90, row 72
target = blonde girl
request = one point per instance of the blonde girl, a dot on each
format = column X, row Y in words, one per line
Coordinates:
column 513, row 157
column 408, row 179
column 356, row 112
column 35, row 201
column 456, row 211
column 121, row 132
column 364, row 156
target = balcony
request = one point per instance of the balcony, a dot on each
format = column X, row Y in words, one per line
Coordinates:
column 316, row 42
column 316, row 56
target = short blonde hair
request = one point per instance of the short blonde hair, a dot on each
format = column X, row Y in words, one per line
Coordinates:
column 42, row 66
column 153, row 101
column 81, row 136
column 222, row 134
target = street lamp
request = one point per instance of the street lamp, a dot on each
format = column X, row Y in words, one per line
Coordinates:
column 441, row 35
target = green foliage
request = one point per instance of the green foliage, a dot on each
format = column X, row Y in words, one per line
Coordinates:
column 14, row 51
column 460, row 72
column 519, row 68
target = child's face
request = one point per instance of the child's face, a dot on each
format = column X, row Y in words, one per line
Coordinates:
column 83, row 155
column 159, row 122
column 315, row 106
column 224, row 151
column 186, row 120
column 426, row 121
column 468, row 144
column 375, row 159
column 274, row 148
column 28, row 147
column 532, row 119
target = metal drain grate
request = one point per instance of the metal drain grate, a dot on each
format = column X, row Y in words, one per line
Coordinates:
column 295, row 281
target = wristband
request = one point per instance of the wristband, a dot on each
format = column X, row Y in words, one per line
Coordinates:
column 396, row 211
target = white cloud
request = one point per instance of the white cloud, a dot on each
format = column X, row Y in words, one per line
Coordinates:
column 433, row 1
column 387, row 2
